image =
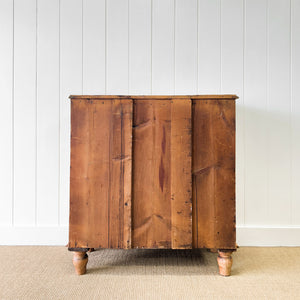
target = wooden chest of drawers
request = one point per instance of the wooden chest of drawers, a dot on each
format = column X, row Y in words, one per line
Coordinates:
column 152, row 172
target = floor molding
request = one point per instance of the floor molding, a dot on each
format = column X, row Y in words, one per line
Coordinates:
column 58, row 235
column 44, row 236
column 268, row 236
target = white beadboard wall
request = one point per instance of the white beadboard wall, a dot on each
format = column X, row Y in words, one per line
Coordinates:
column 50, row 49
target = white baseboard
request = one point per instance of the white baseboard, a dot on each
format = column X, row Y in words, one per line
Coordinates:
column 268, row 236
column 45, row 236
column 58, row 236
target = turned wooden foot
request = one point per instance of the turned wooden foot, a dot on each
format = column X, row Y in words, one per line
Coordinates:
column 80, row 260
column 225, row 262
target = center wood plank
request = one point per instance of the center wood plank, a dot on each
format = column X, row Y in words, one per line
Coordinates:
column 162, row 174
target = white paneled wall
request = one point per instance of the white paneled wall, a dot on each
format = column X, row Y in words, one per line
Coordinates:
column 53, row 48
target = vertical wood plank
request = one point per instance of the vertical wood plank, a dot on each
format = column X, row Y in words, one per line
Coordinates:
column 295, row 118
column 120, row 165
column 6, row 112
column 93, row 45
column 143, row 135
column 161, row 185
column 181, row 173
column 115, row 175
column 47, row 112
column 232, row 67
column 24, row 112
column 70, row 83
column 117, row 47
column 279, row 112
column 186, row 47
column 163, row 47
column 214, row 174
column 100, row 212
column 209, row 58
column 256, row 115
column 151, row 166
column 162, row 213
column 224, row 177
column 99, row 168
column 81, row 195
column 140, row 47
column 126, row 163
column 203, row 177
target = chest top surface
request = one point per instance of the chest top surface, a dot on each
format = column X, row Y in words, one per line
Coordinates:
column 158, row 97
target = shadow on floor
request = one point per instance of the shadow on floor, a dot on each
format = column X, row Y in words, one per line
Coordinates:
column 152, row 261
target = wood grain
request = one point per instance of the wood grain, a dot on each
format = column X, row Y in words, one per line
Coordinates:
column 151, row 193
column 79, row 185
column 225, row 262
column 136, row 164
column 98, row 172
column 100, row 190
column 119, row 216
column 80, row 260
column 161, row 214
column 181, row 175
column 214, row 174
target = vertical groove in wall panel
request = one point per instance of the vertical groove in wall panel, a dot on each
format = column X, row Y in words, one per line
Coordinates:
column 140, row 47
column 117, row 47
column 232, row 24
column 47, row 112
column 209, row 35
column 24, row 112
column 163, row 47
column 295, row 118
column 279, row 112
column 240, row 189
column 255, row 101
column 186, row 47
column 71, row 82
column 93, row 47
column 6, row 111
column 105, row 47
column 151, row 47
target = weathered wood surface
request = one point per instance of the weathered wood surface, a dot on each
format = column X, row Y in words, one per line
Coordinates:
column 100, row 178
column 181, row 175
column 214, row 174
column 106, row 174
column 162, row 174
column 153, row 97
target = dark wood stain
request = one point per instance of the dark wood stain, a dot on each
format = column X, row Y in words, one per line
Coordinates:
column 161, row 174
column 163, row 142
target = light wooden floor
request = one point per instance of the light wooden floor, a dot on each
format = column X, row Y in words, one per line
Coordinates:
column 47, row 273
